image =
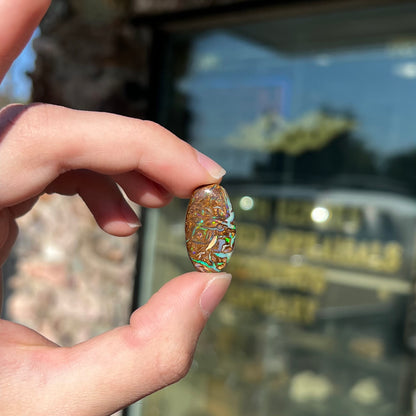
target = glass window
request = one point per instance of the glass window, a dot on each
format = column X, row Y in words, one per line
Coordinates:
column 313, row 118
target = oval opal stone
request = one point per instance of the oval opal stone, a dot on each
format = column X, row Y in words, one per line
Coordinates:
column 209, row 228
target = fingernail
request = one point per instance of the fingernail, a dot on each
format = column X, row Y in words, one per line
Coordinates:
column 213, row 293
column 213, row 168
column 129, row 215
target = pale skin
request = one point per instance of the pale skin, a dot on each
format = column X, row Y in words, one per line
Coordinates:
column 46, row 148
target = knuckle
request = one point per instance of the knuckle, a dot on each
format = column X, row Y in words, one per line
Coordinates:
column 173, row 350
column 170, row 360
column 35, row 121
column 26, row 121
column 174, row 362
column 9, row 116
column 31, row 128
column 156, row 129
column 149, row 124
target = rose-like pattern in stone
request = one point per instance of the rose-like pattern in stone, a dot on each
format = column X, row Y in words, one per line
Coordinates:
column 209, row 228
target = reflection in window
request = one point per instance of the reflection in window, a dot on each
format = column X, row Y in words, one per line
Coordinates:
column 318, row 115
column 312, row 117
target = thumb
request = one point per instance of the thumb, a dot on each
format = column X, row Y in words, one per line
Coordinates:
column 117, row 368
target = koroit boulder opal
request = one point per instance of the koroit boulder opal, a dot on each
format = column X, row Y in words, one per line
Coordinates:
column 209, row 228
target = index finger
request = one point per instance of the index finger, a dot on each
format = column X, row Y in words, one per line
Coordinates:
column 40, row 142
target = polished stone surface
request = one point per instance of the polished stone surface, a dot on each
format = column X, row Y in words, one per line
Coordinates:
column 209, row 228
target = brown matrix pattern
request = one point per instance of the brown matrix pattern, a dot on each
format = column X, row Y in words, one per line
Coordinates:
column 209, row 228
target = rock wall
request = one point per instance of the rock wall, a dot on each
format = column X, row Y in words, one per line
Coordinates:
column 91, row 56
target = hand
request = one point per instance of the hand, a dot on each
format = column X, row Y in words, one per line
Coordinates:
column 47, row 148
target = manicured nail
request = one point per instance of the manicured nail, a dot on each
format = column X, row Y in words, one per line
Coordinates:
column 213, row 168
column 213, row 293
column 129, row 215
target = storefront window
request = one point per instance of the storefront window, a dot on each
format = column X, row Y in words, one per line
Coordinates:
column 313, row 118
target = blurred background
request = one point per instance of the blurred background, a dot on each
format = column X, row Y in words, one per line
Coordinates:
column 309, row 106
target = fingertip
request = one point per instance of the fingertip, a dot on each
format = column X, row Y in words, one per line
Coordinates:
column 130, row 217
column 143, row 190
column 118, row 220
column 213, row 168
column 214, row 291
column 120, row 228
column 104, row 199
column 193, row 294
